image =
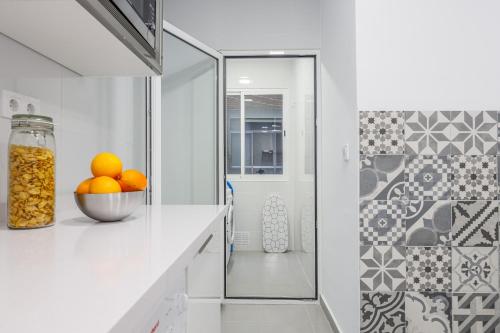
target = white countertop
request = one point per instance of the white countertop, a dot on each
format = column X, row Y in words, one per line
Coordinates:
column 83, row 276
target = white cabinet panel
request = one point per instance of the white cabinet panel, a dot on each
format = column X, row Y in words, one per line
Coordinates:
column 204, row 284
column 65, row 32
column 205, row 272
column 169, row 314
column 204, row 316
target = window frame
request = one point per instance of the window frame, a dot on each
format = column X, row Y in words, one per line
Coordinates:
column 242, row 92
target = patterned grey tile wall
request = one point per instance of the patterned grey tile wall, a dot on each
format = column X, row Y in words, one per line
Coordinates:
column 381, row 132
column 429, row 221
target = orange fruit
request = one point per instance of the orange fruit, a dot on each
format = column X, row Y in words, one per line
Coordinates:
column 106, row 164
column 133, row 180
column 104, row 184
column 84, row 187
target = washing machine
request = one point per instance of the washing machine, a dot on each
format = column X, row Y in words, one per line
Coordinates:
column 230, row 225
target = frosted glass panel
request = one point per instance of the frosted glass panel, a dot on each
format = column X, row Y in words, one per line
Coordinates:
column 189, row 124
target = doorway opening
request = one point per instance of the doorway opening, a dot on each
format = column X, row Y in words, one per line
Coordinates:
column 270, row 168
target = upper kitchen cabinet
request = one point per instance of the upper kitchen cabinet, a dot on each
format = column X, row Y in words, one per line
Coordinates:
column 90, row 37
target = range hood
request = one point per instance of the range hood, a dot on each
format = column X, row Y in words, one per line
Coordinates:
column 89, row 37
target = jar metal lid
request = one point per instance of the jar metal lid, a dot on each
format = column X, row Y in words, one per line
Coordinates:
column 20, row 120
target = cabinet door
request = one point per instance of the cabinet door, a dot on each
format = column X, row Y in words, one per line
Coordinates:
column 163, row 309
column 205, row 272
column 204, row 284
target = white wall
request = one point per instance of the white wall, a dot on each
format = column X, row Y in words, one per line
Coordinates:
column 339, row 187
column 90, row 115
column 248, row 25
column 428, row 55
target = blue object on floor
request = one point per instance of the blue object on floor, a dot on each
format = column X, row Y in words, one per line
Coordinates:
column 228, row 183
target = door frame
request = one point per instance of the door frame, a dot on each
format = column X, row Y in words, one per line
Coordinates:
column 156, row 197
column 315, row 54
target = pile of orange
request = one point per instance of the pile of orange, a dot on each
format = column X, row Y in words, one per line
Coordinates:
column 109, row 177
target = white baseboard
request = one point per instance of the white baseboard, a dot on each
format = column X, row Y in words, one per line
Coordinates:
column 329, row 315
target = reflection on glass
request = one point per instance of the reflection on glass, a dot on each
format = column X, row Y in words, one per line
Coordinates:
column 189, row 124
column 146, row 9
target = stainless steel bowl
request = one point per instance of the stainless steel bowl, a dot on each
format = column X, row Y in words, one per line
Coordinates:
column 109, row 207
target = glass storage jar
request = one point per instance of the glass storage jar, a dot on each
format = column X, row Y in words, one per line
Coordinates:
column 32, row 164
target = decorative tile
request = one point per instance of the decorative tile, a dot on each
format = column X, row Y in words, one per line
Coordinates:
column 427, row 133
column 476, row 313
column 428, row 177
column 383, row 268
column 428, row 312
column 383, row 312
column 474, row 133
column 381, row 177
column 381, row 132
column 475, row 269
column 428, row 223
column 498, row 171
column 428, row 268
column 381, row 223
column 498, row 130
column 474, row 178
column 475, row 223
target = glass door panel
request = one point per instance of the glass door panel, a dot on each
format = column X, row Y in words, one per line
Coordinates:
column 270, row 127
column 189, row 124
column 190, row 163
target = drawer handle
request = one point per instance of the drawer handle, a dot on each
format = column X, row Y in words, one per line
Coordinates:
column 202, row 248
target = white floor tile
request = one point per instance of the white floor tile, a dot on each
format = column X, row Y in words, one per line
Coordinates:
column 318, row 319
column 242, row 313
column 303, row 327
column 262, row 274
column 274, row 318
column 236, row 327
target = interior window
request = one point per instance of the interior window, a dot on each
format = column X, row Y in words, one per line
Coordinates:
column 260, row 144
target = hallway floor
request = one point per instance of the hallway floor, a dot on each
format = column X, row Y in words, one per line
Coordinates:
column 259, row 274
column 274, row 318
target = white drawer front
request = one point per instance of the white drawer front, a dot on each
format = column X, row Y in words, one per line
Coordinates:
column 205, row 273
